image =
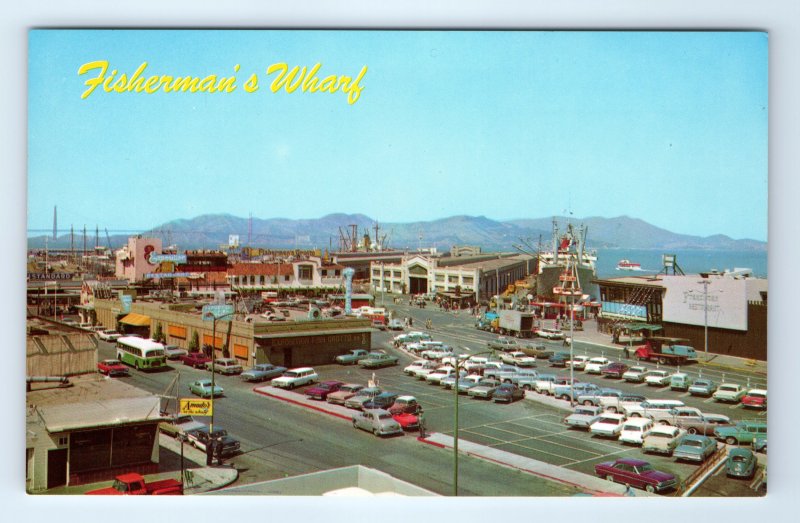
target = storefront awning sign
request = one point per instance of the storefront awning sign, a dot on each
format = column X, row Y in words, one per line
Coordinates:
column 196, row 407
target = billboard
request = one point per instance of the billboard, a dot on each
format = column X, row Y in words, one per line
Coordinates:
column 196, row 407
column 687, row 297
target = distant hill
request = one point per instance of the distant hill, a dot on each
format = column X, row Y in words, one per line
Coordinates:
column 211, row 230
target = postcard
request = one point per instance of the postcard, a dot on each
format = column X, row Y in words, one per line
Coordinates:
column 499, row 263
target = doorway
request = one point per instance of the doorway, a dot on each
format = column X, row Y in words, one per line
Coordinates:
column 56, row 468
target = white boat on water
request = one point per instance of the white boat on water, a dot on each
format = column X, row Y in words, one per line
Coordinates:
column 627, row 265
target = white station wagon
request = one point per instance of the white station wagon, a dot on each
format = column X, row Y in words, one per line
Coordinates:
column 295, row 378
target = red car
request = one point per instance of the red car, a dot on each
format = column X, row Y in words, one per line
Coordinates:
column 404, row 404
column 112, row 368
column 321, row 390
column 755, row 399
column 615, row 369
column 407, row 420
column 636, row 473
column 195, row 359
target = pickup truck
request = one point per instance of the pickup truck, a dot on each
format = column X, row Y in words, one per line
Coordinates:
column 352, row 358
column 200, row 438
column 377, row 360
column 133, row 484
column 179, row 425
column 547, row 385
column 666, row 350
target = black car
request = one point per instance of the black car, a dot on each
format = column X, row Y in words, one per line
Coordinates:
column 384, row 400
column 201, row 437
column 508, row 392
column 559, row 359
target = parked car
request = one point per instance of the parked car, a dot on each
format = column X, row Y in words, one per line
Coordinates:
column 755, row 399
column 615, row 369
column 226, row 366
column 595, row 365
column 195, row 359
column 353, row 357
column 657, row 378
column 503, row 344
column 356, row 401
column 583, row 417
column 295, row 378
column 384, row 400
column 203, row 389
column 550, row 334
column 635, row 430
column 741, row 463
column 419, row 364
column 173, row 352
column 635, row 374
column 436, row 376
column 679, row 381
column 464, row 383
column 608, row 425
column 405, row 404
column 566, row 392
column 378, row 421
column 578, row 362
column 378, row 360
column 618, row 404
column 674, row 415
column 636, row 473
column 742, row 432
column 729, row 392
column 407, row 420
column 702, row 387
column 662, row 439
column 178, row 425
column 345, row 392
column 760, row 444
column 201, row 437
column 112, row 368
column 695, row 448
column 705, row 424
column 108, row 335
column 559, row 359
column 484, row 389
column 507, row 392
column 261, row 372
column 596, row 398
column 520, row 359
column 395, row 325
column 321, row 390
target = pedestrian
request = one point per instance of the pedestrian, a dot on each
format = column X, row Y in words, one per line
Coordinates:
column 210, row 452
column 219, row 451
column 421, row 421
column 410, row 321
column 627, row 352
column 629, row 491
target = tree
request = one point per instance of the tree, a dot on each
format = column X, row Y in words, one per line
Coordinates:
column 194, row 344
column 159, row 334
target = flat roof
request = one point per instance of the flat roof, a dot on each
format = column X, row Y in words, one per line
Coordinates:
column 100, row 413
column 325, row 332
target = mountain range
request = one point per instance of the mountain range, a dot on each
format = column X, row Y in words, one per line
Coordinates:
column 210, row 231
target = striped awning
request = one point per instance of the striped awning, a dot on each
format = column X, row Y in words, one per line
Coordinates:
column 137, row 320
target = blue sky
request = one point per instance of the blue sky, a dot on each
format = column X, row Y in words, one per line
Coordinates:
column 667, row 127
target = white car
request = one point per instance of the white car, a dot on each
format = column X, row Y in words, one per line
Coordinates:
column 440, row 373
column 635, row 374
column 731, row 392
column 108, row 335
column 550, row 334
column 662, row 439
column 609, row 425
column 423, row 373
column 657, row 378
column 520, row 359
column 634, row 430
column 295, row 378
column 595, row 365
column 437, row 353
column 578, row 362
column 419, row 364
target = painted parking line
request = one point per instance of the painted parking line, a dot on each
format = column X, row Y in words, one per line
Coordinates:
column 609, row 454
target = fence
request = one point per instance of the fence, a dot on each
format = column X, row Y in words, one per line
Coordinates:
column 695, row 478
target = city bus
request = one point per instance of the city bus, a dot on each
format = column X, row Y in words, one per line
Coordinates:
column 141, row 353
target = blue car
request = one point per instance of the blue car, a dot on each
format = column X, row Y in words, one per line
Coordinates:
column 581, row 388
column 559, row 359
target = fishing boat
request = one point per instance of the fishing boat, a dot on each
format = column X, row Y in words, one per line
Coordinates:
column 627, row 265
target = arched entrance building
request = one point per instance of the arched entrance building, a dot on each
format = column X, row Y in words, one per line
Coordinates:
column 417, row 279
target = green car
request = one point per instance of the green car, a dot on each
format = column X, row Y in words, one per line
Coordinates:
column 743, row 432
column 378, row 360
column 203, row 389
column 741, row 463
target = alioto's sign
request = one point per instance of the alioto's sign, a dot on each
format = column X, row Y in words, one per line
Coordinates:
column 196, row 407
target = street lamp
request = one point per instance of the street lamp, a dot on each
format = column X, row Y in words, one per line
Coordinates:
column 455, row 422
column 214, row 318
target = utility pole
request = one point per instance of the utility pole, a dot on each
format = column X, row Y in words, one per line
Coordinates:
column 705, row 283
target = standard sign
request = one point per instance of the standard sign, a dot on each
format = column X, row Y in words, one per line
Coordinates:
column 196, row 407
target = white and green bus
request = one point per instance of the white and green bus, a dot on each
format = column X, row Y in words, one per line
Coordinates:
column 141, row 353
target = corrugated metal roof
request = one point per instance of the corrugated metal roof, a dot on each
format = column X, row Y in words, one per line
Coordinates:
column 100, row 413
column 137, row 320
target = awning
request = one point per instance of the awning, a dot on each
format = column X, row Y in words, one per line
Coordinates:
column 137, row 320
column 298, row 334
column 636, row 327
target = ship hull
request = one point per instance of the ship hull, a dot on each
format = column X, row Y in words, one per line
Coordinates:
column 548, row 278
